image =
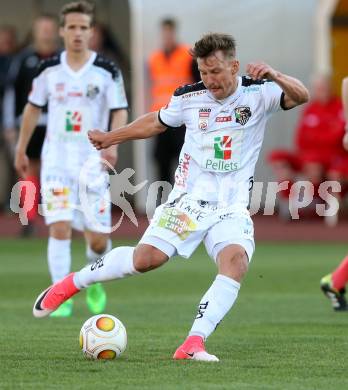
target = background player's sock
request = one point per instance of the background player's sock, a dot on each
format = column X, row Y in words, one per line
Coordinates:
column 214, row 305
column 96, row 295
column 340, row 275
column 94, row 256
column 116, row 264
column 59, row 258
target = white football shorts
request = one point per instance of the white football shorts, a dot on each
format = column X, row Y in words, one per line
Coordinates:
column 178, row 227
column 87, row 206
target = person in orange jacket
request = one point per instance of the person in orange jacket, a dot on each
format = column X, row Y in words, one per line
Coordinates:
column 168, row 67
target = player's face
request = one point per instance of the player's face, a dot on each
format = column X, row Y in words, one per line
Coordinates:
column 219, row 74
column 76, row 32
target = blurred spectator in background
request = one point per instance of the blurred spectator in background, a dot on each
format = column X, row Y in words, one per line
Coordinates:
column 8, row 47
column 22, row 70
column 104, row 43
column 319, row 154
column 169, row 67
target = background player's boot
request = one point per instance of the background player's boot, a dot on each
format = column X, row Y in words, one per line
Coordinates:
column 51, row 298
column 193, row 348
column 96, row 298
column 337, row 298
column 64, row 310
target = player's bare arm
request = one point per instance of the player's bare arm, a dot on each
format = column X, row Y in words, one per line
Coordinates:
column 146, row 126
column 118, row 119
column 295, row 92
column 31, row 116
column 345, row 110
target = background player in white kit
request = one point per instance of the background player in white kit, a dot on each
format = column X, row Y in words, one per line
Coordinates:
column 225, row 117
column 81, row 89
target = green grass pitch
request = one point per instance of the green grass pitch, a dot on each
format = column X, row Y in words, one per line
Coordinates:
column 281, row 334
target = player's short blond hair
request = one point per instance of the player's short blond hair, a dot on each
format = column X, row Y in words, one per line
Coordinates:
column 212, row 42
column 81, row 7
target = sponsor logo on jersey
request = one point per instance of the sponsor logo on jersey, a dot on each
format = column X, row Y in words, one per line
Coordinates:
column 222, row 153
column 222, row 156
column 191, row 208
column 182, row 170
column 202, row 124
column 223, row 118
column 242, row 114
column 203, row 118
column 60, row 191
column 251, row 89
column 60, row 87
column 204, row 112
column 223, row 147
column 221, row 165
column 193, row 94
column 92, row 91
column 57, row 198
column 73, row 121
column 75, row 94
column 178, row 222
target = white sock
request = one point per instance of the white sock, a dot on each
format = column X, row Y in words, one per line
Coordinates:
column 214, row 305
column 94, row 256
column 116, row 264
column 59, row 258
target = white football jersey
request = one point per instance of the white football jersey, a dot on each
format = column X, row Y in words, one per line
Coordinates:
column 77, row 102
column 223, row 138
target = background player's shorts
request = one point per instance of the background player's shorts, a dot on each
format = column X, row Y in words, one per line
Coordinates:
column 88, row 207
column 36, row 141
column 178, row 227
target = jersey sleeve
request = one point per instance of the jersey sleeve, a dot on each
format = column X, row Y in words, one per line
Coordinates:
column 273, row 96
column 38, row 95
column 172, row 114
column 116, row 95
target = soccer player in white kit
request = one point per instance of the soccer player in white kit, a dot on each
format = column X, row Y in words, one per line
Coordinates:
column 225, row 117
column 81, row 88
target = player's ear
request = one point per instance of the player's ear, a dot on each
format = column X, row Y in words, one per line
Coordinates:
column 61, row 32
column 235, row 67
